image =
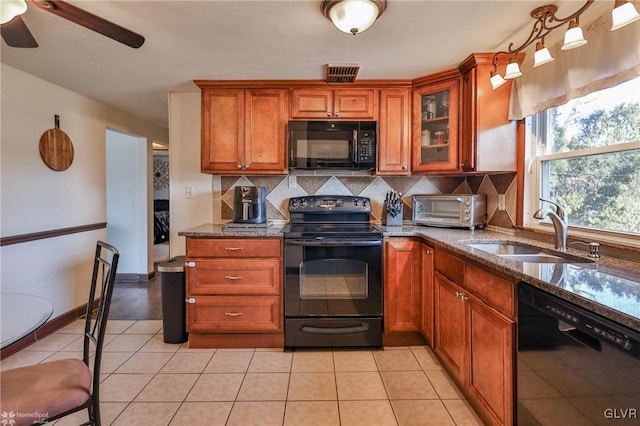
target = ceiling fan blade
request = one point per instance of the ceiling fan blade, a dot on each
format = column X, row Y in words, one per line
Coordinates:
column 16, row 34
column 91, row 21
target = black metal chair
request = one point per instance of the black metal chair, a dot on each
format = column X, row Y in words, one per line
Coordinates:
column 51, row 390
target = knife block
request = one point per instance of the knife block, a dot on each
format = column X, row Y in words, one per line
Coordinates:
column 389, row 220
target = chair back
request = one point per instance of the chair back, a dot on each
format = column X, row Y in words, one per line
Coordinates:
column 104, row 274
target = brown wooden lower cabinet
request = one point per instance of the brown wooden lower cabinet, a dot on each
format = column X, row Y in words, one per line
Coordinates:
column 474, row 340
column 234, row 288
column 402, row 286
column 427, row 320
column 235, row 314
column 490, row 337
column 450, row 326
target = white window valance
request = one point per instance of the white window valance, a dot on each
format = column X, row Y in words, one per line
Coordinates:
column 610, row 58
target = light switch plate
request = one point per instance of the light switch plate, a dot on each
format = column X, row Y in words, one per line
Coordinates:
column 293, row 182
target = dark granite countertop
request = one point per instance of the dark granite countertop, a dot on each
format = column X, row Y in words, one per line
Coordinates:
column 225, row 230
column 609, row 286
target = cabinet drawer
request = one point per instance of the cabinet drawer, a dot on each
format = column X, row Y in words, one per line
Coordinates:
column 233, row 247
column 450, row 266
column 235, row 314
column 234, row 276
column 493, row 290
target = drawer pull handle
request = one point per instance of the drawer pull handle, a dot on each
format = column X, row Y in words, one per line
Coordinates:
column 231, row 277
column 234, row 314
column 233, row 248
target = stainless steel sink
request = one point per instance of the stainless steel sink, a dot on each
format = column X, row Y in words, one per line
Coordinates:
column 525, row 253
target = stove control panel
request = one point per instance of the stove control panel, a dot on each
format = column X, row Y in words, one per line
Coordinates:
column 330, row 204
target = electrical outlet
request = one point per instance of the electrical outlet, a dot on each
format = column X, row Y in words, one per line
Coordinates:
column 293, row 182
column 501, row 202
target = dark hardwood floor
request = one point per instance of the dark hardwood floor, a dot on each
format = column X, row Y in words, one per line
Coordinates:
column 137, row 300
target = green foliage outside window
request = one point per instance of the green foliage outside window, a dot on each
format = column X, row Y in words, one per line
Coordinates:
column 599, row 189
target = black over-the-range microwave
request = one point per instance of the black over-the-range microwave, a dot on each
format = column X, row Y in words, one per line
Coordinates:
column 337, row 145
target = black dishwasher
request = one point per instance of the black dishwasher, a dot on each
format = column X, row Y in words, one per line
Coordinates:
column 574, row 367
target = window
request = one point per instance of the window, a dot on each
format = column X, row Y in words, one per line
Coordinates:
column 586, row 157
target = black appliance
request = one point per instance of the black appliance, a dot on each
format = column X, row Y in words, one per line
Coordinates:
column 339, row 145
column 574, row 366
column 249, row 204
column 333, row 274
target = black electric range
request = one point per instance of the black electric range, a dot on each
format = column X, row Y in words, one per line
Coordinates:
column 333, row 273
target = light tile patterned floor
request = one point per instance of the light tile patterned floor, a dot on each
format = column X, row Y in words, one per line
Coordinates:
column 148, row 382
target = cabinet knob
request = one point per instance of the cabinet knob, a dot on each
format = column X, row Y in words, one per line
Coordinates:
column 246, row 166
column 239, row 166
column 336, row 114
column 404, row 167
column 328, row 113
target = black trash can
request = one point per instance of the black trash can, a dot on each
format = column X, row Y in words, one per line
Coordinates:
column 172, row 287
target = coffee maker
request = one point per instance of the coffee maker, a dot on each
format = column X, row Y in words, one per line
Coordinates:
column 249, row 204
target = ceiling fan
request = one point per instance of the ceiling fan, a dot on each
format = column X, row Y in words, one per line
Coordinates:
column 16, row 33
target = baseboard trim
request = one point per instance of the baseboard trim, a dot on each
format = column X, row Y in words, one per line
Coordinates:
column 133, row 278
column 48, row 328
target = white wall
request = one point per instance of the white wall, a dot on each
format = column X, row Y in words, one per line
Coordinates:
column 184, row 169
column 35, row 198
column 127, row 207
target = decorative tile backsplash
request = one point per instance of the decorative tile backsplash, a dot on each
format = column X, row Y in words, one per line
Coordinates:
column 494, row 186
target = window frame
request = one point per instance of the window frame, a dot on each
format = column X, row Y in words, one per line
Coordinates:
column 537, row 127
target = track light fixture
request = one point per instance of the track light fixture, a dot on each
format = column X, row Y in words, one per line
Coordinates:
column 546, row 21
column 353, row 16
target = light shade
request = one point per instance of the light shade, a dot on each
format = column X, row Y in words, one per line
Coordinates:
column 496, row 80
column 512, row 71
column 542, row 55
column 623, row 14
column 9, row 9
column 353, row 16
column 573, row 37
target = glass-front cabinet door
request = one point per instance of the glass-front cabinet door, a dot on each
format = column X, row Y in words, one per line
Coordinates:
column 435, row 127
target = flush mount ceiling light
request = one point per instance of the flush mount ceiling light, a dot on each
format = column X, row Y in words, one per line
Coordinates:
column 9, row 9
column 546, row 21
column 353, row 16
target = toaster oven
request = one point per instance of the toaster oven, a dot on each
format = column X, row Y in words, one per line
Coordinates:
column 450, row 210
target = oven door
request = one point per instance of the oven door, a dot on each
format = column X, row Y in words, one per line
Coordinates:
column 333, row 278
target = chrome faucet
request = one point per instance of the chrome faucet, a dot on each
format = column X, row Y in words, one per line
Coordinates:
column 560, row 222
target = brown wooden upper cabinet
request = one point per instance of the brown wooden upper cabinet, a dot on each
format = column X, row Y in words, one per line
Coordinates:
column 244, row 131
column 435, row 127
column 316, row 104
column 394, row 132
column 486, row 128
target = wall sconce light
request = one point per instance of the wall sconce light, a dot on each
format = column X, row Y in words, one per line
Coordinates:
column 353, row 16
column 623, row 13
column 9, row 9
column 546, row 21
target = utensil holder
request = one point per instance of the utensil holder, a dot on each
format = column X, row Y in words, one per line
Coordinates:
column 389, row 220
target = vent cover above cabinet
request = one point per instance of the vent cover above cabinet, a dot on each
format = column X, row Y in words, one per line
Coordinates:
column 342, row 73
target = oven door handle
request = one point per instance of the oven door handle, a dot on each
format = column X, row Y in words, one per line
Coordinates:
column 341, row 243
column 362, row 327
